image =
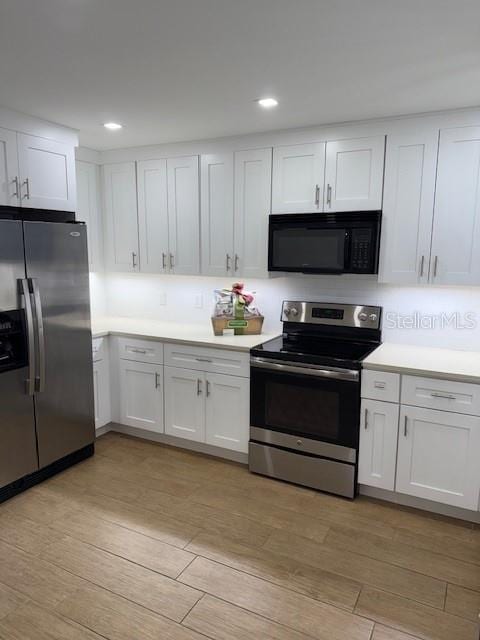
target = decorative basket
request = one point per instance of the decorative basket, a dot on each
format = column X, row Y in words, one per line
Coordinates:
column 241, row 326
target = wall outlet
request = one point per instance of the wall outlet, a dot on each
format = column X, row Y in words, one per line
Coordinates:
column 199, row 301
column 162, row 299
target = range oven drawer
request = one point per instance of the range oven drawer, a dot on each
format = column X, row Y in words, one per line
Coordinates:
column 310, row 471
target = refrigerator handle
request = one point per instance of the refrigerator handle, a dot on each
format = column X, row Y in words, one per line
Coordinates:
column 30, row 381
column 40, row 377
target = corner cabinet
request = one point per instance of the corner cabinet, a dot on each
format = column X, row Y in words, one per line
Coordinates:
column 252, row 203
column 121, row 223
column 88, row 210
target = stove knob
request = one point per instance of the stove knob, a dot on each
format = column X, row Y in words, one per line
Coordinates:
column 362, row 316
column 286, row 311
column 294, row 311
column 373, row 317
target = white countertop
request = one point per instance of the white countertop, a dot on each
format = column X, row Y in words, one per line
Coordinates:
column 201, row 335
column 426, row 361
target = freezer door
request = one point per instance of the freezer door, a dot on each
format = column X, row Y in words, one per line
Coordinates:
column 18, row 446
column 57, row 269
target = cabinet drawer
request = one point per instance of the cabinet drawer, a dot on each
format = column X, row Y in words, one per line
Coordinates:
column 445, row 395
column 207, row 359
column 98, row 349
column 380, row 385
column 140, row 350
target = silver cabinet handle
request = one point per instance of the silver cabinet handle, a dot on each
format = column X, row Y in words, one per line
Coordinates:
column 157, row 380
column 228, row 262
column 208, row 388
column 30, row 381
column 164, row 260
column 235, row 266
column 379, row 385
column 435, row 265
column 422, row 264
column 405, row 426
column 317, row 195
column 134, row 259
column 199, row 387
column 366, row 419
column 27, row 185
column 40, row 377
column 133, row 350
column 172, row 260
column 447, row 396
column 329, row 195
column 17, row 187
column 203, row 359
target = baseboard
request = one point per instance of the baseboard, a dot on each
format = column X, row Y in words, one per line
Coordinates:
column 190, row 445
column 102, row 430
column 420, row 503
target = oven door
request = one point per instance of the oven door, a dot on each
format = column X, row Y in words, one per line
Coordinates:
column 308, row 402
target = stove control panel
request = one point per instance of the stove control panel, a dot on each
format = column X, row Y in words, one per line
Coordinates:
column 326, row 313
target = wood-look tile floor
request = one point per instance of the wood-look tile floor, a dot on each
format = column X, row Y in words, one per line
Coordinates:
column 154, row 543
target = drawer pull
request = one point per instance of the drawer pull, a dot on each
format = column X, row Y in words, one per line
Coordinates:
column 379, row 385
column 144, row 351
column 447, row 396
column 203, row 359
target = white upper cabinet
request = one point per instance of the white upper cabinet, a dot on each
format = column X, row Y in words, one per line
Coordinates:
column 298, row 178
column 88, row 209
column 183, row 215
column 456, row 229
column 121, row 224
column 9, row 179
column 217, row 214
column 47, row 171
column 408, row 198
column 354, row 174
column 153, row 216
column 252, row 202
column 438, row 456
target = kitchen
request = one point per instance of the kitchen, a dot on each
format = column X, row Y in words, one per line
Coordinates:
column 318, row 480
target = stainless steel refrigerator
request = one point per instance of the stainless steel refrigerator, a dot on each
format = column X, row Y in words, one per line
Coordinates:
column 46, row 381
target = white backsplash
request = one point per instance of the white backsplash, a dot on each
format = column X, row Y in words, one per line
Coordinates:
column 177, row 299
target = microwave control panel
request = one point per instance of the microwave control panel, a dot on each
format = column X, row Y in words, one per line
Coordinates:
column 361, row 249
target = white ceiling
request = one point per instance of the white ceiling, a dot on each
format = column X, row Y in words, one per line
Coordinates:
column 173, row 70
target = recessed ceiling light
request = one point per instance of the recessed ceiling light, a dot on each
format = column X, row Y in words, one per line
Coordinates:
column 113, row 126
column 267, row 103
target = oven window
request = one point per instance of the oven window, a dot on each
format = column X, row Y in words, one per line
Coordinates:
column 305, row 409
column 308, row 248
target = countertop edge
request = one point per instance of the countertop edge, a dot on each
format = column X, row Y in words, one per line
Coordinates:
column 427, row 373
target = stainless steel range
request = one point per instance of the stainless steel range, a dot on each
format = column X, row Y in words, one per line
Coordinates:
column 305, row 395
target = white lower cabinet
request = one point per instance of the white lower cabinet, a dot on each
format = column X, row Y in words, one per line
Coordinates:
column 227, row 411
column 378, row 444
column 438, row 456
column 101, row 391
column 185, row 404
column 141, row 395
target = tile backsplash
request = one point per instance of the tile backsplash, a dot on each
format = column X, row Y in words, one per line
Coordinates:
column 425, row 315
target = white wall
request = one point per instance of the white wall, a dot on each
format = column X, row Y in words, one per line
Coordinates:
column 173, row 299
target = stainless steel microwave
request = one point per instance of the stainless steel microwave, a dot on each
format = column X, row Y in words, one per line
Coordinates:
column 347, row 242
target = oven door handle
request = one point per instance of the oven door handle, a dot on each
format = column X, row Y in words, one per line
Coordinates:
column 306, row 370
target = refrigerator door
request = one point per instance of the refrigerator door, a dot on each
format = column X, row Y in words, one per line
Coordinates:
column 18, row 445
column 57, row 270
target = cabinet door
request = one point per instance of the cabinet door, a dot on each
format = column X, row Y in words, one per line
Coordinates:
column 121, row 224
column 88, row 209
column 378, row 444
column 456, row 225
column 438, row 456
column 141, row 392
column 47, row 172
column 354, row 174
column 252, row 201
column 9, row 185
column 408, row 197
column 183, row 215
column 227, row 411
column 101, row 387
column 298, row 178
column 185, row 403
column 153, row 216
column 217, row 214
